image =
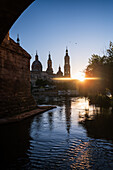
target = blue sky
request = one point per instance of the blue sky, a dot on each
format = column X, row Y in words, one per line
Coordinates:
column 85, row 26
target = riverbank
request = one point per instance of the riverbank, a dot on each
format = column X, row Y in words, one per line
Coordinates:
column 71, row 93
column 25, row 115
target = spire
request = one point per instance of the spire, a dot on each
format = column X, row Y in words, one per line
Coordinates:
column 59, row 73
column 66, row 51
column 59, row 68
column 18, row 40
column 49, row 65
column 67, row 64
column 36, row 56
column 49, row 56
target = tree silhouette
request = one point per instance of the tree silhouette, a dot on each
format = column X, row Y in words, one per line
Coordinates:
column 102, row 67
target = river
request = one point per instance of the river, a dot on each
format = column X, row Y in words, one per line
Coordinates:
column 75, row 135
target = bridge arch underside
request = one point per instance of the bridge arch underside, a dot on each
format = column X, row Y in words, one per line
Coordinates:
column 10, row 10
column 15, row 89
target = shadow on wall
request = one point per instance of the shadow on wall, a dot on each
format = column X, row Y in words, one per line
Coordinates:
column 15, row 88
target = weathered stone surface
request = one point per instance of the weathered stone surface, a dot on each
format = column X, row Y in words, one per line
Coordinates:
column 15, row 90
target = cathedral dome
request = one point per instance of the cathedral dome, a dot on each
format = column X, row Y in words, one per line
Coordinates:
column 37, row 66
column 60, row 73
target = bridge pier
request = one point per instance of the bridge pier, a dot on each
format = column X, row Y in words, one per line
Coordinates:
column 15, row 88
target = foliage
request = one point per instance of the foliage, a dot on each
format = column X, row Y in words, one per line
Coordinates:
column 102, row 67
column 100, row 100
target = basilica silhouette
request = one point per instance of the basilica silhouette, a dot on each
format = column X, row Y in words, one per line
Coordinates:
column 38, row 73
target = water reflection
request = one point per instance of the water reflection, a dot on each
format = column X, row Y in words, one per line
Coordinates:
column 97, row 121
column 68, row 113
column 50, row 120
column 67, row 137
column 51, row 100
column 99, row 124
column 14, row 143
column 57, row 149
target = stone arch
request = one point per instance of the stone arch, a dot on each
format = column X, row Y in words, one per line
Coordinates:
column 10, row 10
column 15, row 88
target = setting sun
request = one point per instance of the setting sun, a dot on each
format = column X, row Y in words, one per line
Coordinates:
column 79, row 76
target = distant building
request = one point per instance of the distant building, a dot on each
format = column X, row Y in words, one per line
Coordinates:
column 38, row 73
column 67, row 65
column 59, row 73
column 37, row 66
column 49, row 65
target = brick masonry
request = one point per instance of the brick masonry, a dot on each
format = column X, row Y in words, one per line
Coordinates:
column 15, row 88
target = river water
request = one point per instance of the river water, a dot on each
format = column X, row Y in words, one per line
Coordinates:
column 75, row 135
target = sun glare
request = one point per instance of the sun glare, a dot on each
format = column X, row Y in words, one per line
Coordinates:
column 79, row 76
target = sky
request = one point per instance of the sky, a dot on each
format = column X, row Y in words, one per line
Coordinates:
column 84, row 26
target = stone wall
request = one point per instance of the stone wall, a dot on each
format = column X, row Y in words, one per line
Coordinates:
column 15, row 88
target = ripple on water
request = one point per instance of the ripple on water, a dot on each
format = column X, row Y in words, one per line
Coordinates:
column 57, row 141
column 72, row 154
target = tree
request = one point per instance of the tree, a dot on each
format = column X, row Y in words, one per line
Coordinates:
column 102, row 67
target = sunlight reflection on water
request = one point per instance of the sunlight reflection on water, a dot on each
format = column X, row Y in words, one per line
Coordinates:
column 57, row 140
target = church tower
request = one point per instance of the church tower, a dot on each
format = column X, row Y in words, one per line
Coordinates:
column 59, row 73
column 36, row 65
column 49, row 65
column 67, row 65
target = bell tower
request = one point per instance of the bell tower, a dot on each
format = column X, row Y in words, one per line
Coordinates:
column 49, row 65
column 67, row 65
